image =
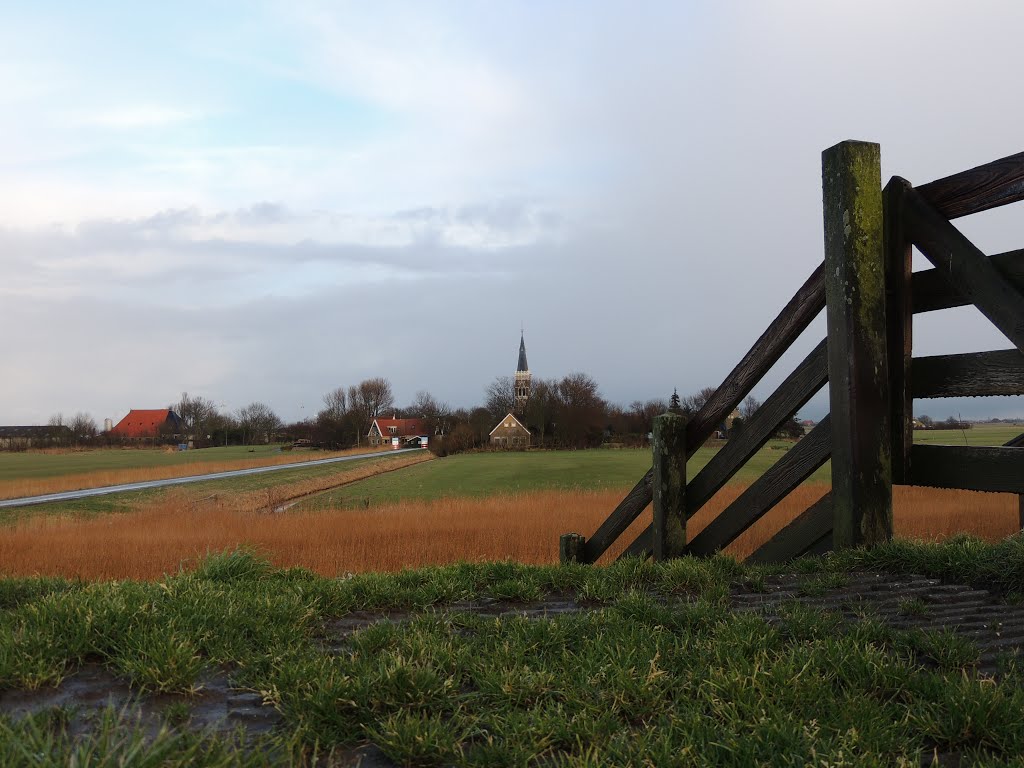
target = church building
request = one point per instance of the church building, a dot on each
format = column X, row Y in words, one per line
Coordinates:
column 510, row 431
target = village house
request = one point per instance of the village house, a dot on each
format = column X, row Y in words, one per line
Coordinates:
column 510, row 433
column 396, row 431
column 19, row 438
column 146, row 424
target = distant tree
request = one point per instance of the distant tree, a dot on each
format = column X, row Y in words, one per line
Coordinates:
column 258, row 423
column 926, row 421
column 369, row 399
column 437, row 415
column 693, row 403
column 791, row 429
column 83, row 428
column 198, row 416
column 542, row 408
column 499, row 397
column 335, row 404
column 674, row 404
column 749, row 407
column 580, row 419
column 737, row 426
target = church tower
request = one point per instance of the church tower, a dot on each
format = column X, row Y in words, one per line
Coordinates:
column 522, row 379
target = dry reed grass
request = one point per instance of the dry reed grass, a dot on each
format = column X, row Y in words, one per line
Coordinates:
column 14, row 489
column 177, row 531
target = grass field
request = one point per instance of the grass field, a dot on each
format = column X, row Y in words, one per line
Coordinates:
column 978, row 434
column 660, row 671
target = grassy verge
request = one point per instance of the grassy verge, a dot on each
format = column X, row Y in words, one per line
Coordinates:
column 660, row 672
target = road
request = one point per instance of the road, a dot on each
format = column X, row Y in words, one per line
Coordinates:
column 107, row 489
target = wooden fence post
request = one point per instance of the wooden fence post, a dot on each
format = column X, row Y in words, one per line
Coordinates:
column 570, row 548
column 669, row 486
column 858, row 372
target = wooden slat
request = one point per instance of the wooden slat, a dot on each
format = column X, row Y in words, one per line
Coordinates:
column 812, row 525
column 972, row 468
column 965, row 267
column 620, row 519
column 971, row 375
column 899, row 319
column 792, row 469
column 931, row 291
column 1017, row 442
column 820, row 547
column 767, row 350
column 642, row 546
column 792, row 394
column 978, row 189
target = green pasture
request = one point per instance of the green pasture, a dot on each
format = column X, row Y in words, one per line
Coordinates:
column 978, row 434
column 658, row 670
column 31, row 464
column 486, row 474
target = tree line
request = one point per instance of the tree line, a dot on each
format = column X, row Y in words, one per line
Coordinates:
column 566, row 412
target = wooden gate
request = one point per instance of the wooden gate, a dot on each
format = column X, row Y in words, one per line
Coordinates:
column 867, row 361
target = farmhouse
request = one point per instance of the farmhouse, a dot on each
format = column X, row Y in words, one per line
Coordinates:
column 384, row 431
column 14, row 438
column 142, row 424
column 510, row 433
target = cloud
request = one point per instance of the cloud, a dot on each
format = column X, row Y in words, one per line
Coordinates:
column 139, row 116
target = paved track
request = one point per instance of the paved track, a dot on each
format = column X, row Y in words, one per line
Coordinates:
column 107, row 489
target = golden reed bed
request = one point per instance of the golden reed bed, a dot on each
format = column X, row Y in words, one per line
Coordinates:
column 177, row 530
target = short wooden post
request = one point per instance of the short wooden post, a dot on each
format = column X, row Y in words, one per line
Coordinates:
column 570, row 548
column 669, row 486
column 858, row 372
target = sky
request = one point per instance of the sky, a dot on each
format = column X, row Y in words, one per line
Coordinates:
column 262, row 201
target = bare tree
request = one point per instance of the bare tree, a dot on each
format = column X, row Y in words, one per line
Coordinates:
column 258, row 422
column 499, row 397
column 582, row 411
column 749, row 407
column 693, row 403
column 83, row 427
column 436, row 414
column 370, row 399
column 198, row 416
column 335, row 404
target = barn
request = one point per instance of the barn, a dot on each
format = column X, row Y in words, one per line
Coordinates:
column 144, row 424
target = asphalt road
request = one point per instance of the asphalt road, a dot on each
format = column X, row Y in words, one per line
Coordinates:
column 107, row 489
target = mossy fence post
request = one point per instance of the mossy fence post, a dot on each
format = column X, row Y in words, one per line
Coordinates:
column 858, row 371
column 669, row 487
column 570, row 548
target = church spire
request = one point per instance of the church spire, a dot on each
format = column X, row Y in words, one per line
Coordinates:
column 522, row 355
column 522, row 378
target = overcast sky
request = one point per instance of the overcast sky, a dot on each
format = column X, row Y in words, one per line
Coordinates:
column 263, row 201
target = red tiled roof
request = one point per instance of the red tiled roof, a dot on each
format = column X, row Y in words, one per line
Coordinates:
column 144, row 423
column 405, row 427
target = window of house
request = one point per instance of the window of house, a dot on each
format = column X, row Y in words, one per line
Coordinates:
column 393, row 430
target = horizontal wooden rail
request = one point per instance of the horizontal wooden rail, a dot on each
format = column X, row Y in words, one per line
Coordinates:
column 972, row 468
column 786, row 474
column 931, row 291
column 801, row 385
column 964, row 266
column 770, row 346
column 801, row 535
column 978, row 189
column 972, row 375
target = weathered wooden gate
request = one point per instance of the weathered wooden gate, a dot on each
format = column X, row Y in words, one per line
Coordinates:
column 871, row 296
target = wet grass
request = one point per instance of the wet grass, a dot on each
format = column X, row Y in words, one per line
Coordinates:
column 659, row 672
